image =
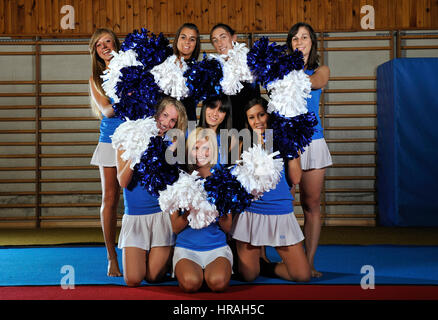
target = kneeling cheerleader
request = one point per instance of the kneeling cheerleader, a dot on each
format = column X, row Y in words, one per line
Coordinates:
column 270, row 220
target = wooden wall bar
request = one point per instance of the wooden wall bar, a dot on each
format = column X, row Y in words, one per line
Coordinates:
column 43, row 17
column 47, row 140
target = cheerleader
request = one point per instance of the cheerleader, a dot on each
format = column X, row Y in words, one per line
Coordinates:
column 223, row 39
column 270, row 221
column 316, row 156
column 102, row 43
column 216, row 115
column 146, row 235
column 202, row 254
column 186, row 47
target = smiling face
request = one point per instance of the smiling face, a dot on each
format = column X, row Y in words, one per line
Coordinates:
column 167, row 119
column 186, row 43
column 302, row 42
column 214, row 116
column 222, row 40
column 201, row 152
column 257, row 118
column 104, row 46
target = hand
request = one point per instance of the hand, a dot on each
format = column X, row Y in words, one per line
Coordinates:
column 179, row 221
column 225, row 222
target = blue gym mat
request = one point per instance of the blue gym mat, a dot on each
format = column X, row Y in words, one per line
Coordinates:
column 340, row 264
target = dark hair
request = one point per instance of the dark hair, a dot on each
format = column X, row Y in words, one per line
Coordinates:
column 255, row 101
column 195, row 53
column 212, row 103
column 223, row 26
column 313, row 61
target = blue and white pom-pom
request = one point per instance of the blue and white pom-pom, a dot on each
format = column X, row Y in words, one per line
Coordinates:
column 235, row 69
column 133, row 137
column 112, row 75
column 128, row 82
column 188, row 194
column 288, row 87
column 138, row 49
column 288, row 95
column 169, row 76
column 282, row 75
column 226, row 192
column 258, row 171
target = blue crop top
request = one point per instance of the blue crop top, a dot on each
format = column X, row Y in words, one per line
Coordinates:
column 108, row 126
column 313, row 106
column 275, row 202
column 138, row 201
column 208, row 238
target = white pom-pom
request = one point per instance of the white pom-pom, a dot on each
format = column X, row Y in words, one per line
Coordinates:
column 258, row 171
column 134, row 137
column 288, row 95
column 235, row 69
column 169, row 77
column 188, row 193
column 112, row 75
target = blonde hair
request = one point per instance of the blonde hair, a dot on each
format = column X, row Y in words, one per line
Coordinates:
column 197, row 135
column 181, row 123
column 97, row 64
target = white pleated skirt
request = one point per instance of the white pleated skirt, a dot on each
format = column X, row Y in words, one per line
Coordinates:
column 266, row 230
column 104, row 155
column 316, row 155
column 146, row 231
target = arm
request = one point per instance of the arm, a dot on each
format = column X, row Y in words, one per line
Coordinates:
column 179, row 221
column 294, row 170
column 235, row 149
column 124, row 172
column 100, row 100
column 320, row 77
column 225, row 222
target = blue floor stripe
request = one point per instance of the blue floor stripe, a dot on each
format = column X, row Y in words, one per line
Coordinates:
column 407, row 265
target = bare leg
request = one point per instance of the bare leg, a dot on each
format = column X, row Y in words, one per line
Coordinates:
column 263, row 254
column 108, row 216
column 217, row 274
column 134, row 266
column 189, row 274
column 294, row 266
column 248, row 257
column 157, row 263
column 310, row 197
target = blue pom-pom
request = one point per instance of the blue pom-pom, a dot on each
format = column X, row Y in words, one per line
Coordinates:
column 138, row 94
column 151, row 49
column 226, row 192
column 153, row 172
column 270, row 62
column 296, row 60
column 291, row 135
column 203, row 79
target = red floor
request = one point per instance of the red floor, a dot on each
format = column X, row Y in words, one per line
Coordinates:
column 243, row 292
